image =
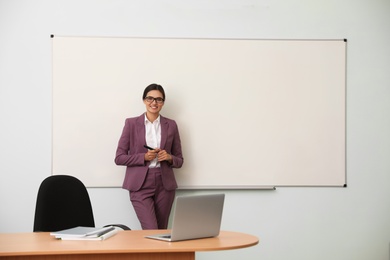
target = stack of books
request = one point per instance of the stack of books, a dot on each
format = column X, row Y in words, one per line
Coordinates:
column 85, row 233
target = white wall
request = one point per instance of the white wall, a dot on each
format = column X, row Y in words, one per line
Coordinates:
column 292, row 223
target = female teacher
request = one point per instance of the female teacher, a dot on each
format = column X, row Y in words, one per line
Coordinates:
column 150, row 148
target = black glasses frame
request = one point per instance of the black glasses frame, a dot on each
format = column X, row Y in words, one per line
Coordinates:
column 150, row 99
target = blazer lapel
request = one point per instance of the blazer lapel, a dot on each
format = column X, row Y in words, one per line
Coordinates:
column 164, row 131
column 141, row 129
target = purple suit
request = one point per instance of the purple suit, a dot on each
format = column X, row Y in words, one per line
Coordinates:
column 152, row 190
column 131, row 152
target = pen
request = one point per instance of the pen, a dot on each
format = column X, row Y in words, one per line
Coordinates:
column 100, row 232
column 148, row 147
column 105, row 232
column 108, row 234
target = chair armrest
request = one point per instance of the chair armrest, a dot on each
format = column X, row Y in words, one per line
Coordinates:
column 124, row 227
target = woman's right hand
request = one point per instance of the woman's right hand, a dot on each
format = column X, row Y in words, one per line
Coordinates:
column 151, row 154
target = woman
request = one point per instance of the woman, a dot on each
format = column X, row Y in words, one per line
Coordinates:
column 149, row 172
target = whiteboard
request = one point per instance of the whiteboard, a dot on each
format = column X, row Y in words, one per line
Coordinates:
column 251, row 113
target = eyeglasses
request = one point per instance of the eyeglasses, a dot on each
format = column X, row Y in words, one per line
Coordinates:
column 159, row 100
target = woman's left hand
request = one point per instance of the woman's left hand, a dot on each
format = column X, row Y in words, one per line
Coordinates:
column 164, row 156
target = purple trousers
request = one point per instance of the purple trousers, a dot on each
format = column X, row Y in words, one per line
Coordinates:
column 153, row 203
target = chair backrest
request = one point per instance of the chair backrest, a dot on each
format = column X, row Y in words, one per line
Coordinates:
column 62, row 202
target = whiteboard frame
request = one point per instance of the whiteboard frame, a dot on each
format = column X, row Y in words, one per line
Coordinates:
column 169, row 110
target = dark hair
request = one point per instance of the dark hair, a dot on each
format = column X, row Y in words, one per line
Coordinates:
column 151, row 87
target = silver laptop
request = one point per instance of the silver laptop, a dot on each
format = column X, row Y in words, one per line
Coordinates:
column 195, row 216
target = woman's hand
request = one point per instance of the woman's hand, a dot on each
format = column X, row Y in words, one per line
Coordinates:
column 164, row 156
column 151, row 154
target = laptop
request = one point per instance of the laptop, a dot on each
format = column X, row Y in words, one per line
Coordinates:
column 195, row 216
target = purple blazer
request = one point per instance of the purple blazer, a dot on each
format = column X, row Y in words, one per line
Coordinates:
column 131, row 152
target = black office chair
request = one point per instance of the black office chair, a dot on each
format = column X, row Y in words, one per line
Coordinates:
column 63, row 202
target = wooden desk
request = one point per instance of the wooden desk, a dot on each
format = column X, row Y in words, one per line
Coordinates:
column 124, row 245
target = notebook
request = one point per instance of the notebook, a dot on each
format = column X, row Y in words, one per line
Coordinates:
column 195, row 216
column 85, row 233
